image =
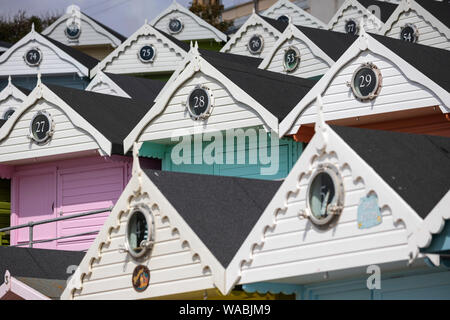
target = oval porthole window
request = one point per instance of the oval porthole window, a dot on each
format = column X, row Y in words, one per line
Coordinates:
column 351, row 27
column 73, row 31
column 325, row 195
column 33, row 57
column 199, row 103
column 41, row 127
column 283, row 18
column 139, row 232
column 291, row 59
column 8, row 113
column 409, row 33
column 366, row 82
column 147, row 53
column 175, row 25
column 255, row 44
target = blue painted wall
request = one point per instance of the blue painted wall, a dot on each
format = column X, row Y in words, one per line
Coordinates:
column 29, row 82
column 424, row 284
column 289, row 151
column 441, row 241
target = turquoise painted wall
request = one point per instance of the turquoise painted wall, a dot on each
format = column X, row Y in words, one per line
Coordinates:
column 29, row 82
column 289, row 151
column 440, row 243
column 425, row 284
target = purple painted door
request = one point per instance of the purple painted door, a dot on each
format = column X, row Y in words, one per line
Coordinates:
column 36, row 201
column 83, row 190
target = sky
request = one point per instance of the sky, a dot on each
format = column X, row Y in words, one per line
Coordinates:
column 124, row 16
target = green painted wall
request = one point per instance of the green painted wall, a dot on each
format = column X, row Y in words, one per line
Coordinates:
column 289, row 151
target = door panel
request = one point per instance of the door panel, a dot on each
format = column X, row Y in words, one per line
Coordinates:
column 35, row 202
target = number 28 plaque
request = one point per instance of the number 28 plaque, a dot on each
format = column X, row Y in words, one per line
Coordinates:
column 199, row 103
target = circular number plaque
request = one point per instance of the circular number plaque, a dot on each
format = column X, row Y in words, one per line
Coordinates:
column 255, row 44
column 175, row 25
column 291, row 59
column 147, row 53
column 366, row 82
column 199, row 103
column 283, row 18
column 8, row 113
column 409, row 33
column 325, row 194
column 33, row 57
column 141, row 278
column 73, row 31
column 41, row 127
column 351, row 27
column 139, row 232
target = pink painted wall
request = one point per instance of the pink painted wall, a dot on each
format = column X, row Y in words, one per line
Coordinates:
column 66, row 187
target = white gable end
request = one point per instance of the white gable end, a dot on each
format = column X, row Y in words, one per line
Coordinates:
column 429, row 34
column 66, row 138
column 227, row 112
column 297, row 15
column 103, row 84
column 397, row 93
column 351, row 10
column 125, row 58
column 311, row 65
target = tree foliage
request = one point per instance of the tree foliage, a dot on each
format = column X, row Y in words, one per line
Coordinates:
column 212, row 14
column 14, row 28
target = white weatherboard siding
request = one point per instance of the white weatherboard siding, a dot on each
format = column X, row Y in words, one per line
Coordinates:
column 103, row 84
column 172, row 264
column 103, row 87
column 310, row 64
column 127, row 61
column 353, row 12
column 240, row 44
column 428, row 34
column 227, row 113
column 397, row 93
column 66, row 138
column 89, row 35
column 52, row 61
column 295, row 242
column 297, row 15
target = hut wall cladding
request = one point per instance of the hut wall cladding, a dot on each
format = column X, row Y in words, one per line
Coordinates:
column 351, row 12
column 81, row 185
column 66, row 138
column 428, row 35
column 397, row 93
column 9, row 103
column 192, row 30
column 297, row 17
column 88, row 36
column 310, row 64
column 172, row 265
column 51, row 63
column 240, row 46
column 294, row 241
column 127, row 61
column 227, row 113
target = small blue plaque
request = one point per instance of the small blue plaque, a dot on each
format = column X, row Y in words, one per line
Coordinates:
column 369, row 214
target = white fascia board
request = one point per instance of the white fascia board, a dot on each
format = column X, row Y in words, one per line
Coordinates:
column 363, row 43
column 43, row 92
column 328, row 142
column 406, row 6
column 146, row 29
column 175, row 6
column 198, row 64
column 253, row 20
column 11, row 91
column 293, row 32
